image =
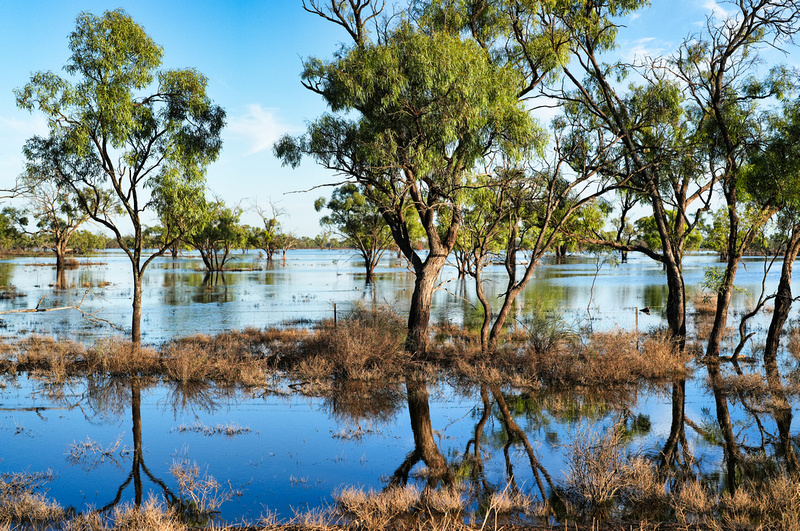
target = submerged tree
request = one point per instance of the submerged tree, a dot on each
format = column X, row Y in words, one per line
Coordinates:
column 268, row 238
column 772, row 177
column 56, row 207
column 359, row 222
column 419, row 110
column 153, row 132
column 217, row 234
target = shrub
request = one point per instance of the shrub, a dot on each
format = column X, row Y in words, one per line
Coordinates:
column 366, row 344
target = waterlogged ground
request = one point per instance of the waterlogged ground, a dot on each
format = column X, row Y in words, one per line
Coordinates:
column 287, row 453
column 178, row 299
column 286, row 447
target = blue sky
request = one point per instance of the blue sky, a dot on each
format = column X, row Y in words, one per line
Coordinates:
column 251, row 51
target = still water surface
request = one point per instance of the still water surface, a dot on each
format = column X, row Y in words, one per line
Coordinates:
column 289, row 451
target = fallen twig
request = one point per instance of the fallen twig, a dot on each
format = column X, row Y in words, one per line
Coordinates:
column 86, row 315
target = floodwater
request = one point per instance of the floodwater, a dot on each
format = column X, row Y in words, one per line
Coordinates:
column 277, row 450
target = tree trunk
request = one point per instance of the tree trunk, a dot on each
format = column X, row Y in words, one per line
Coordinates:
column 61, row 251
column 677, row 430
column 136, row 413
column 732, row 454
column 136, row 318
column 513, row 430
column 424, row 444
column 783, row 305
column 370, row 262
column 419, row 313
column 676, row 304
column 721, row 315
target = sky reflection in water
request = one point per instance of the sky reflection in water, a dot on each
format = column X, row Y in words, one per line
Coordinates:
column 294, row 451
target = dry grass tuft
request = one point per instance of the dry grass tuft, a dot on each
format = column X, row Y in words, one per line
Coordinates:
column 376, row 510
column 232, row 358
column 610, row 358
column 598, row 470
column 367, row 344
column 22, row 503
column 44, row 357
column 153, row 515
column 775, row 503
column 201, row 496
column 115, row 356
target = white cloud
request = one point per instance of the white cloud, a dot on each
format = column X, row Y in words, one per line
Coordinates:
column 641, row 48
column 259, row 128
column 635, row 16
column 716, row 10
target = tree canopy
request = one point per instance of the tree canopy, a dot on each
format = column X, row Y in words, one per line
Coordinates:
column 152, row 132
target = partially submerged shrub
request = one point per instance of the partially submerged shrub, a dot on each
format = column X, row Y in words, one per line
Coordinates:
column 598, row 471
column 118, row 356
column 230, row 358
column 201, row 496
column 45, row 357
column 616, row 357
column 366, row 344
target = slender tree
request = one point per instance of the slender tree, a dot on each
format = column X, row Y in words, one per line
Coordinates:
column 217, row 234
column 360, row 223
column 153, row 132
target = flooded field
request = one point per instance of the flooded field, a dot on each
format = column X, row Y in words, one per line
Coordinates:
column 179, row 300
column 286, row 447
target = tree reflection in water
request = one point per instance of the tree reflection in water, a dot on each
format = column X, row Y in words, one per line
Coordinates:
column 498, row 453
column 138, row 465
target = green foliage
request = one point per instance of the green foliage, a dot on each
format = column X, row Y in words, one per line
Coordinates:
column 12, row 232
column 714, row 280
column 158, row 139
column 647, row 231
column 83, row 241
column 151, row 132
column 772, row 176
column 217, row 234
column 360, row 222
column 429, row 107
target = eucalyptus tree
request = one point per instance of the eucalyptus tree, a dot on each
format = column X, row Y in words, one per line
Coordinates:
column 412, row 115
column 719, row 68
column 533, row 39
column 772, row 177
column 216, row 234
column 266, row 238
column 56, row 207
column 358, row 220
column 153, row 131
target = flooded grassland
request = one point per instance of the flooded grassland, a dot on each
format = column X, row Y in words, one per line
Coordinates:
column 293, row 420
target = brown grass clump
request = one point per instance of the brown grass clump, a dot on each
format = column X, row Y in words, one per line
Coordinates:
column 116, row 356
column 153, row 515
column 365, row 345
column 22, row 504
column 376, row 510
column 774, row 504
column 236, row 357
column 598, row 470
column 44, row 357
column 223, row 358
column 610, row 358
